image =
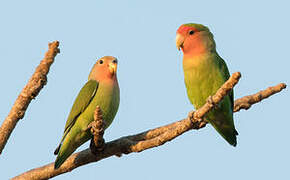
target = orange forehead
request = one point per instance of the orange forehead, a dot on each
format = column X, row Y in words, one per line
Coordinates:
column 184, row 28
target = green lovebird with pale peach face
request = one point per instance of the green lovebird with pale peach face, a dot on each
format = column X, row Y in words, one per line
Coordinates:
column 101, row 90
column 204, row 73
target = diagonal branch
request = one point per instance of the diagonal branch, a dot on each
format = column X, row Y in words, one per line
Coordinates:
column 148, row 139
column 29, row 92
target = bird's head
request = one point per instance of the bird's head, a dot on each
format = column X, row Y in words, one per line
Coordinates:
column 104, row 69
column 194, row 38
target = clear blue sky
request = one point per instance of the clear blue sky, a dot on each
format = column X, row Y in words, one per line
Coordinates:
column 252, row 36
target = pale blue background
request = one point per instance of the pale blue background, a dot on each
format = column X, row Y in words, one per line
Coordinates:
column 252, row 36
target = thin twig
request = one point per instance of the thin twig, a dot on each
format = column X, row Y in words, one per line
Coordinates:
column 29, row 92
column 247, row 101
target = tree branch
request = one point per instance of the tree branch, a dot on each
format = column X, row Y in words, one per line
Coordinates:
column 97, row 129
column 29, row 92
column 151, row 138
column 247, row 101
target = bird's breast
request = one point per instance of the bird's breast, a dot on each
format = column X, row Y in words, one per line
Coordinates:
column 199, row 77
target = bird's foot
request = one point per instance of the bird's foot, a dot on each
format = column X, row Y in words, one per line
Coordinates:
column 197, row 122
column 191, row 114
column 193, row 117
column 211, row 102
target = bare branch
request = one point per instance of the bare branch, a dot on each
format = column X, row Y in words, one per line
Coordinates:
column 97, row 129
column 29, row 92
column 142, row 141
column 247, row 101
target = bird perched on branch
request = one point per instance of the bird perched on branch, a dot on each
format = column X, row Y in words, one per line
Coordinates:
column 101, row 90
column 204, row 73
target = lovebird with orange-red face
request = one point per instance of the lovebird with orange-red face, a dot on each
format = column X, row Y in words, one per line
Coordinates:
column 204, row 73
column 101, row 90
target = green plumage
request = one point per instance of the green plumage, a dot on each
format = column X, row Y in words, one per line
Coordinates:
column 204, row 73
column 104, row 94
column 203, row 81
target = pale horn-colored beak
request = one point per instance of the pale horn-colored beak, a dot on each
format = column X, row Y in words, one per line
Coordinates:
column 179, row 41
column 113, row 68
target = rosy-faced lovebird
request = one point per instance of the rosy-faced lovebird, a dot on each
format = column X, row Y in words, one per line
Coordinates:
column 101, row 90
column 204, row 73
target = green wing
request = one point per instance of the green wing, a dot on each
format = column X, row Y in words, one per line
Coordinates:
column 226, row 74
column 82, row 101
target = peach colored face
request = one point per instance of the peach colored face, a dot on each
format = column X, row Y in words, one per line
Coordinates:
column 104, row 69
column 189, row 40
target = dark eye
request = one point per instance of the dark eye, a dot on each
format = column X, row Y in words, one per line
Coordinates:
column 115, row 61
column 101, row 61
column 191, row 32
